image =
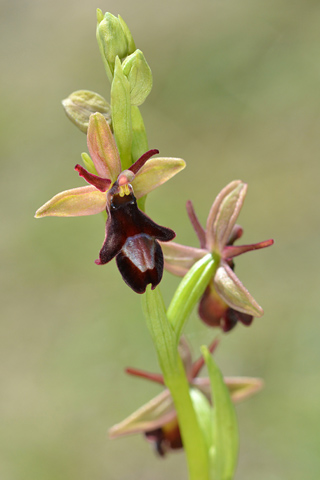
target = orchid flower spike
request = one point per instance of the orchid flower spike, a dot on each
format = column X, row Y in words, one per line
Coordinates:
column 131, row 236
column 225, row 300
column 157, row 419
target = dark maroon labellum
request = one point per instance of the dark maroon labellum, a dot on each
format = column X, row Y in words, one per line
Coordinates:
column 131, row 237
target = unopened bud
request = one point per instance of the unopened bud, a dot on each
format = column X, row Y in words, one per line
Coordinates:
column 81, row 104
column 114, row 39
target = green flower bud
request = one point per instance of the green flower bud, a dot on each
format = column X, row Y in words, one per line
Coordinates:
column 114, row 39
column 81, row 104
column 139, row 75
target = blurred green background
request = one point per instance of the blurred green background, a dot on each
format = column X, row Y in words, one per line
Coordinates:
column 236, row 94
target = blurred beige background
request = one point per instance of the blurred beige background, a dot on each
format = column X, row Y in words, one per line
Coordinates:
column 236, row 94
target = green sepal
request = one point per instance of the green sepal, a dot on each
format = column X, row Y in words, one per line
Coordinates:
column 81, row 104
column 121, row 114
column 88, row 163
column 138, row 73
column 225, row 436
column 190, row 290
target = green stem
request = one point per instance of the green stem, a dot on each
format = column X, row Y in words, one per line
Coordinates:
column 165, row 342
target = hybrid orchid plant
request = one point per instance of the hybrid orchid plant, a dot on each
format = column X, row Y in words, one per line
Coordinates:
column 192, row 412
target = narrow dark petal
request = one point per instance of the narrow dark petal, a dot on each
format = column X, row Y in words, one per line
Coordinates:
column 153, row 377
column 140, row 262
column 142, row 160
column 200, row 231
column 236, row 233
column 100, row 183
column 235, row 250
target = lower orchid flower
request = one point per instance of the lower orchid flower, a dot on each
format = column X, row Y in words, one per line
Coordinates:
column 131, row 236
column 225, row 300
column 157, row 419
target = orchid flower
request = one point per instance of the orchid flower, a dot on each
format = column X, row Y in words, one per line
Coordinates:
column 225, row 300
column 157, row 419
column 131, row 236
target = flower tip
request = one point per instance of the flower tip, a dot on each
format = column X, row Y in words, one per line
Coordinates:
column 98, row 262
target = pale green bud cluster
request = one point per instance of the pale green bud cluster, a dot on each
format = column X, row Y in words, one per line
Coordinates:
column 131, row 82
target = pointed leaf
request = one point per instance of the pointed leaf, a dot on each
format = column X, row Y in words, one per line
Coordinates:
column 234, row 293
column 203, row 411
column 189, row 291
column 74, row 203
column 225, row 437
column 154, row 173
column 154, row 414
column 102, row 148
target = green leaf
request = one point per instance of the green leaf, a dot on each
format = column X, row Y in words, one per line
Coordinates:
column 190, row 290
column 225, row 437
column 203, row 411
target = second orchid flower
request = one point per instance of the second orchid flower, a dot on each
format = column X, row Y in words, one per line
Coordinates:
column 225, row 300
